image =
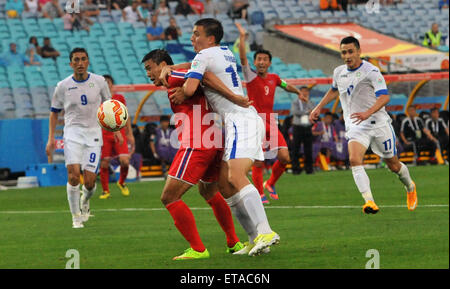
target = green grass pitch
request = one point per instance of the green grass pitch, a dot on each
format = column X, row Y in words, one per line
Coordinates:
column 318, row 217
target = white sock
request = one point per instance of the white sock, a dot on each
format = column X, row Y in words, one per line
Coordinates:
column 362, row 182
column 240, row 213
column 88, row 194
column 73, row 196
column 405, row 178
column 255, row 209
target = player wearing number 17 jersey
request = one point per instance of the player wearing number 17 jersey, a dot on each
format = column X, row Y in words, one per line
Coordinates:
column 363, row 94
column 79, row 95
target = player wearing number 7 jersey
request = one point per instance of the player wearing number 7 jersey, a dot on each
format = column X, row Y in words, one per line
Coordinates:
column 79, row 95
column 363, row 95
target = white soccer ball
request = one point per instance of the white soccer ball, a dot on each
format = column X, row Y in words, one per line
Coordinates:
column 112, row 115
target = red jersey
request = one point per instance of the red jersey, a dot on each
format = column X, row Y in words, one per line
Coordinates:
column 110, row 134
column 190, row 115
column 261, row 90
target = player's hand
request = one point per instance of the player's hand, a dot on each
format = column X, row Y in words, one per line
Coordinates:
column 241, row 29
column 50, row 147
column 242, row 101
column 118, row 137
column 314, row 115
column 165, row 72
column 132, row 145
column 359, row 117
column 177, row 95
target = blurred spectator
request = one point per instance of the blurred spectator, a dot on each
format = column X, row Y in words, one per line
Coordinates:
column 162, row 8
column 117, row 4
column 33, row 51
column 302, row 133
column 329, row 5
column 436, row 130
column 411, row 133
column 183, row 8
column 173, row 31
column 198, row 6
column 433, row 37
column 238, row 40
column 326, row 137
column 341, row 152
column 143, row 11
column 211, row 7
column 41, row 4
column 14, row 8
column 77, row 21
column 160, row 144
column 12, row 57
column 52, row 10
column 90, row 9
column 443, row 4
column 239, row 9
column 32, row 6
column 155, row 30
column 48, row 51
column 130, row 13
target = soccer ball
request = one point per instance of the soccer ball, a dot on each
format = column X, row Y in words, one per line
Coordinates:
column 112, row 115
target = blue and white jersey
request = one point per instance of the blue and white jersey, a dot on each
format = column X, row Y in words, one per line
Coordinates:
column 220, row 61
column 358, row 91
column 80, row 101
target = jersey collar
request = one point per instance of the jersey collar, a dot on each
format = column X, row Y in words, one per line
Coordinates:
column 81, row 81
column 354, row 69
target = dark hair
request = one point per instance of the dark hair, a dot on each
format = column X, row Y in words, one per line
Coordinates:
column 262, row 51
column 158, row 56
column 349, row 40
column 77, row 49
column 107, row 76
column 434, row 109
column 31, row 39
column 164, row 118
column 212, row 27
column 328, row 113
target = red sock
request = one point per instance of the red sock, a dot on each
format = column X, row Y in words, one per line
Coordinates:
column 223, row 216
column 277, row 170
column 123, row 174
column 104, row 179
column 185, row 223
column 258, row 179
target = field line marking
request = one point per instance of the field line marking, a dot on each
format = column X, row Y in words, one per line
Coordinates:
column 208, row 208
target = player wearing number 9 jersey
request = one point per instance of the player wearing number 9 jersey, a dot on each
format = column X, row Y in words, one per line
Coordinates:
column 79, row 95
column 363, row 95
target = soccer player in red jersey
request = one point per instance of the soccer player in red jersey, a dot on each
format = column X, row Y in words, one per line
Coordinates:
column 261, row 87
column 113, row 147
column 197, row 161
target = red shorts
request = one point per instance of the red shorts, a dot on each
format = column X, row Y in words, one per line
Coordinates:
column 111, row 148
column 193, row 165
column 274, row 139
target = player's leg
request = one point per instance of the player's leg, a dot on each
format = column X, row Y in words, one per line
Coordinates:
column 222, row 212
column 258, row 179
column 90, row 168
column 73, row 159
column 124, row 161
column 356, row 156
column 104, row 178
column 278, row 168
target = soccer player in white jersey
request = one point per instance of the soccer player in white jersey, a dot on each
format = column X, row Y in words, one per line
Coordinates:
column 363, row 94
column 244, row 132
column 79, row 95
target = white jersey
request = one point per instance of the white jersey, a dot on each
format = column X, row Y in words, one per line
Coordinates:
column 80, row 101
column 220, row 61
column 358, row 91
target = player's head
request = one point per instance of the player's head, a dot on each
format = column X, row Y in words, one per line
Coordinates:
column 262, row 59
column 434, row 112
column 411, row 111
column 351, row 52
column 79, row 60
column 154, row 61
column 207, row 32
column 110, row 81
column 164, row 120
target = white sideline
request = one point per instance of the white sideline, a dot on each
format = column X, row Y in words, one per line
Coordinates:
column 208, row 208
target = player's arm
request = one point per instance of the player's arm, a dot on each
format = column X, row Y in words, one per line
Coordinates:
column 167, row 70
column 130, row 136
column 212, row 81
column 329, row 96
column 50, row 147
column 382, row 100
column 242, row 52
column 290, row 88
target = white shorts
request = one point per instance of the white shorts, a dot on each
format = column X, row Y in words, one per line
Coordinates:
column 381, row 140
column 244, row 134
column 86, row 156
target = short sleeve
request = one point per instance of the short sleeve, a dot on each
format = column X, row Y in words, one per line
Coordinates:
column 58, row 99
column 249, row 74
column 278, row 80
column 198, row 66
column 334, row 85
column 379, row 84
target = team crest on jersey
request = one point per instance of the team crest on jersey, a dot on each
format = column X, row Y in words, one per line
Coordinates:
column 358, row 74
column 194, row 64
column 91, row 85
